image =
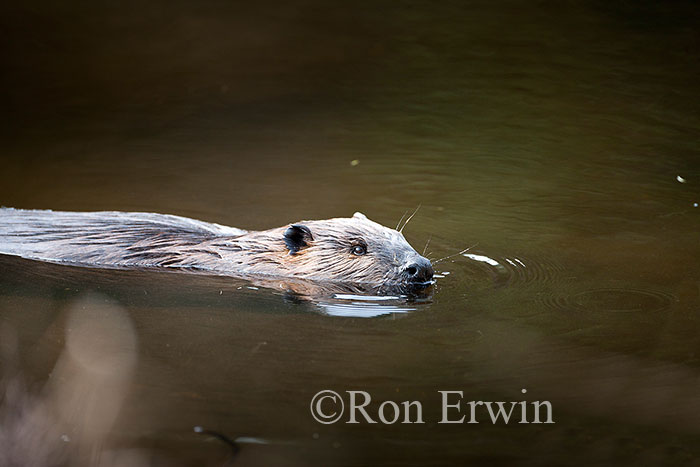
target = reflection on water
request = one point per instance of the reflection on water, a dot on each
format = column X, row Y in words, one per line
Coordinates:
column 551, row 137
column 366, row 306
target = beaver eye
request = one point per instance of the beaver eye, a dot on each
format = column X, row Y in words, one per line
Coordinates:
column 359, row 250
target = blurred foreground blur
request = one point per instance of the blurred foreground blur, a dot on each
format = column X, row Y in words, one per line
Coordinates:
column 68, row 420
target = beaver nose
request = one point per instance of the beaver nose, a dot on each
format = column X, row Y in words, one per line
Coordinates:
column 419, row 270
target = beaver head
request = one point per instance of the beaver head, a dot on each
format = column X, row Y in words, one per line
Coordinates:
column 355, row 250
column 351, row 250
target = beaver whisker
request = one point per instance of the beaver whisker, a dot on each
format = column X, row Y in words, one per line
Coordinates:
column 451, row 256
column 399, row 223
column 426, row 245
column 409, row 219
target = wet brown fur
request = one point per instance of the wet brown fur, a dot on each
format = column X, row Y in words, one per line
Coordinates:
column 143, row 240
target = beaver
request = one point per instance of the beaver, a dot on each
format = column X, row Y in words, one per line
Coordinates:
column 351, row 250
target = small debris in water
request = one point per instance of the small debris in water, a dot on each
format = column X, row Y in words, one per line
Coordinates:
column 354, row 162
column 221, row 292
column 65, row 438
column 483, row 259
column 257, row 346
column 680, row 179
column 250, row 440
column 221, row 437
column 695, row 205
column 514, row 261
column 252, row 288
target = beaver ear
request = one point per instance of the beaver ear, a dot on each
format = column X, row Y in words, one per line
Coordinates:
column 359, row 215
column 296, row 236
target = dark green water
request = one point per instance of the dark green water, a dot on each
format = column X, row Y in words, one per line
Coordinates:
column 547, row 136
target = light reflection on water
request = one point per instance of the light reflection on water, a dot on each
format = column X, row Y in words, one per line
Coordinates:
column 365, row 306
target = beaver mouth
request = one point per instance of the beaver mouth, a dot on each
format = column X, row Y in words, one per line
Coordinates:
column 421, row 281
column 412, row 287
column 419, row 285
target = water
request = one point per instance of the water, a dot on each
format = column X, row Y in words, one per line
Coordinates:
column 546, row 138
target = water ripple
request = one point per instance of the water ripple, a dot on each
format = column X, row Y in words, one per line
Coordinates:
column 612, row 300
column 490, row 270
